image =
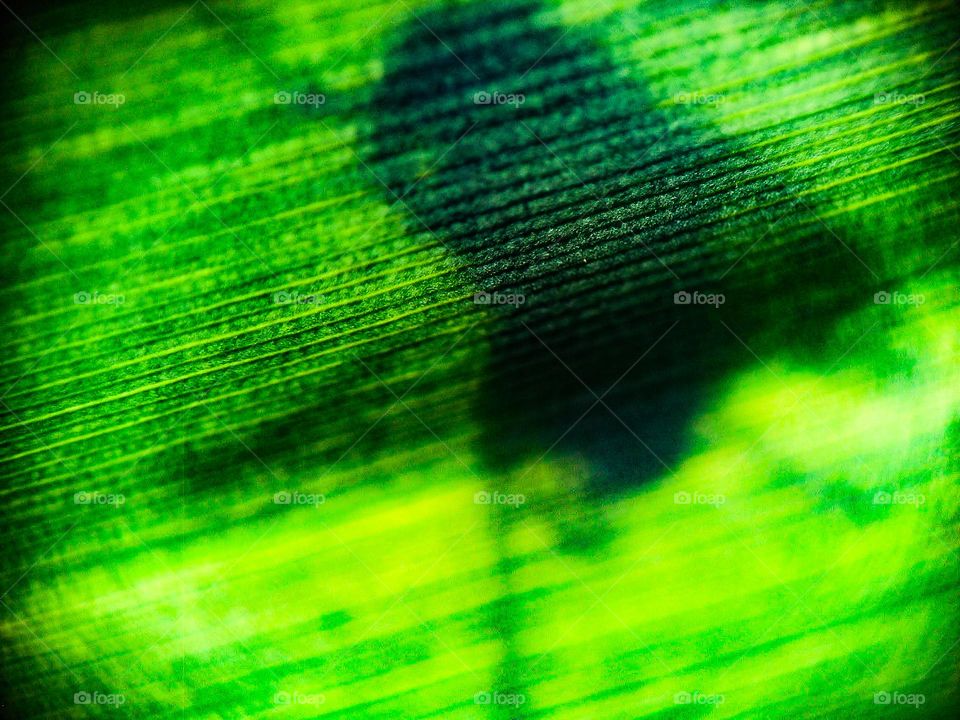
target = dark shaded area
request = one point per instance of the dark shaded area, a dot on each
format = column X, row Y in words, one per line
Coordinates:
column 596, row 207
column 74, row 13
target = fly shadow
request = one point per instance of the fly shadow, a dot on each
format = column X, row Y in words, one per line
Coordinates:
column 595, row 223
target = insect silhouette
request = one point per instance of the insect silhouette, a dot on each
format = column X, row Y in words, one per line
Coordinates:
column 594, row 219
